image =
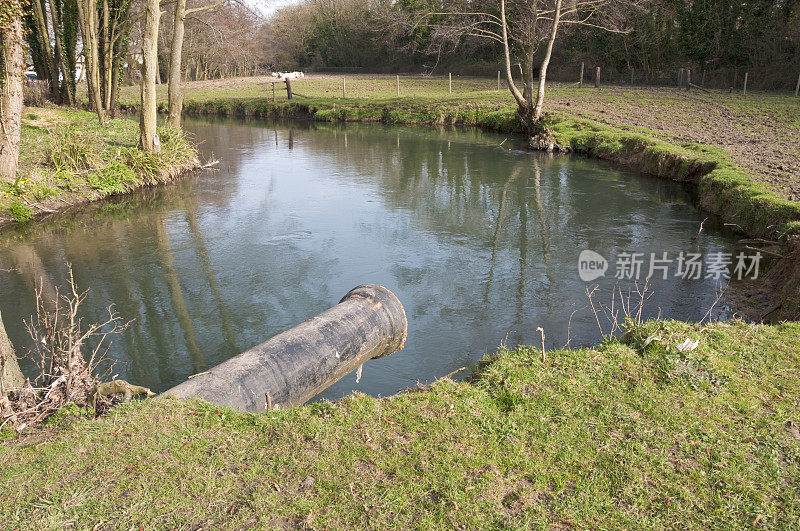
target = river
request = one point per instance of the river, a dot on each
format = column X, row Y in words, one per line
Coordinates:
column 478, row 237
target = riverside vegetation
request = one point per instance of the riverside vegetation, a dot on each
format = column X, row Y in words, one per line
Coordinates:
column 632, row 433
column 66, row 158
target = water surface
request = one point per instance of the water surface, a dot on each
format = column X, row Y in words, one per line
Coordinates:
column 477, row 237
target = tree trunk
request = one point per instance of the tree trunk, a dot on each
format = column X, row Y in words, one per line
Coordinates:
column 148, row 139
column 115, row 32
column 10, row 374
column 50, row 73
column 523, row 110
column 175, row 53
column 87, row 15
column 67, row 12
column 12, row 64
column 527, row 76
column 52, row 59
column 83, row 70
column 116, row 74
column 107, row 56
column 537, row 111
column 66, row 86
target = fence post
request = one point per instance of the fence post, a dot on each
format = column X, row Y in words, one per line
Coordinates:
column 688, row 79
column 744, row 87
column 797, row 87
column 288, row 88
column 498, row 81
column 398, row 86
column 344, row 87
column 597, row 77
column 450, row 79
column 273, row 91
column 580, row 83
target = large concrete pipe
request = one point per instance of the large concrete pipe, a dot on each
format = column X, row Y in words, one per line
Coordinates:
column 295, row 365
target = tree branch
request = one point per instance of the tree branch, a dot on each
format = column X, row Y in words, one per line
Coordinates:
column 204, row 8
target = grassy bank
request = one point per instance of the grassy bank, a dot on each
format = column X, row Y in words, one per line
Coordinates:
column 66, row 158
column 757, row 204
column 629, row 434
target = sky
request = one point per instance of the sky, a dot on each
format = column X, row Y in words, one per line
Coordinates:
column 268, row 7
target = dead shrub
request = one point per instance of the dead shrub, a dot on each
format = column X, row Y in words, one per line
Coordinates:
column 67, row 365
column 36, row 94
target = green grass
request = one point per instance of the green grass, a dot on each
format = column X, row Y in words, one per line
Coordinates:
column 20, row 212
column 65, row 154
column 431, row 94
column 423, row 100
column 621, row 435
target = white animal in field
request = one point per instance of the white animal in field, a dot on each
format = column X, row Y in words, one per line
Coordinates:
column 288, row 75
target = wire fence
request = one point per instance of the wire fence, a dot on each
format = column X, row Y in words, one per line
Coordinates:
column 776, row 78
column 364, row 85
column 773, row 78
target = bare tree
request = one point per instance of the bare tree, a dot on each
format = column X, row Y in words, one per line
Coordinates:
column 537, row 108
column 89, row 23
column 114, row 25
column 226, row 40
column 49, row 64
column 290, row 28
column 12, row 64
column 105, row 24
column 68, row 75
column 148, row 139
column 521, row 27
column 176, row 57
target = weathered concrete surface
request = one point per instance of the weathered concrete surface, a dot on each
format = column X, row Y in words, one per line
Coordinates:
column 295, row 365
